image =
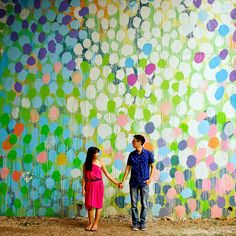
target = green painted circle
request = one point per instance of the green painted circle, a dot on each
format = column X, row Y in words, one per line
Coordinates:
column 45, row 130
column 12, row 155
column 56, row 175
column 13, row 139
column 27, row 138
column 28, row 158
column 174, row 160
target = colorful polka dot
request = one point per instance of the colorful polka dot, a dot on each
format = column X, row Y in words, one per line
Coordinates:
column 80, row 73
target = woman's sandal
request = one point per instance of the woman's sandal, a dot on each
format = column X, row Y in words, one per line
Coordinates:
column 93, row 229
column 88, row 228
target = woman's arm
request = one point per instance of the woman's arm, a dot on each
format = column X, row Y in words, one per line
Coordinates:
column 107, row 174
column 83, row 182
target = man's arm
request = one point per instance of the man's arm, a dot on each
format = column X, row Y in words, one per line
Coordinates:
column 151, row 174
column 127, row 170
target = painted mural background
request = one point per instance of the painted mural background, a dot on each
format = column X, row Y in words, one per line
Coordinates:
column 80, row 73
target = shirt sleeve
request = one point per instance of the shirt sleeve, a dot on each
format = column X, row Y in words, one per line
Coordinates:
column 151, row 158
column 129, row 161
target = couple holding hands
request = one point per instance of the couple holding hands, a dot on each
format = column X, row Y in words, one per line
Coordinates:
column 140, row 163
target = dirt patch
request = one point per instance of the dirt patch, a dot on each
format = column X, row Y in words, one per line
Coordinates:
column 118, row 225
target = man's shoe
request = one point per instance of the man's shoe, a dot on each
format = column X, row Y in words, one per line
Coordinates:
column 135, row 228
column 143, row 227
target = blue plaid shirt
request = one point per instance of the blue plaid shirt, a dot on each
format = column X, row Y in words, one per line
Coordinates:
column 139, row 167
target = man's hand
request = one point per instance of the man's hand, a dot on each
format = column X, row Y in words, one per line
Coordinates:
column 148, row 181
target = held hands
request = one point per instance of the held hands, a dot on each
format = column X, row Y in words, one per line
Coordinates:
column 120, row 185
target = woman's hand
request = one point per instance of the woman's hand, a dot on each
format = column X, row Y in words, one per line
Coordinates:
column 120, row 185
column 83, row 192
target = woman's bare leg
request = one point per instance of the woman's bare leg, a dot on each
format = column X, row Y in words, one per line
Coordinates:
column 97, row 217
column 90, row 218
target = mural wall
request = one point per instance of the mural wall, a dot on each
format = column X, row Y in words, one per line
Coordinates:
column 81, row 73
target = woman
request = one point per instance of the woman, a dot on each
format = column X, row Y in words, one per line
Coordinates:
column 93, row 187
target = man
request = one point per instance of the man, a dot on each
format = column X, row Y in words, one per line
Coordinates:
column 140, row 161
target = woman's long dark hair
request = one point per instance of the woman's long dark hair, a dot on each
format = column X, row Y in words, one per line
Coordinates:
column 89, row 158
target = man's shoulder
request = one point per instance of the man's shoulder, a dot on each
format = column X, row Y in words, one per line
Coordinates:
column 148, row 154
column 132, row 153
column 147, row 151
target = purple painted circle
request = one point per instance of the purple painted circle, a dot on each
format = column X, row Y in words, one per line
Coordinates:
column 59, row 38
column 234, row 36
column 66, row 19
column 42, row 20
column 37, row 4
column 27, row 48
column 2, row 13
column 84, row 11
column 150, row 68
column 51, row 46
column 212, row 25
column 233, row 14
column 164, row 212
column 210, row 1
column 73, row 33
column 71, row 65
column 223, row 54
column 213, row 166
column 14, row 36
column 232, row 76
column 10, row 20
column 191, row 161
column 223, row 136
column 42, row 53
column 182, row 145
column 149, row 128
column 25, row 24
column 63, row 6
column 220, row 202
column 197, row 3
column 17, row 8
column 31, row 61
column 234, row 174
column 42, row 37
column 18, row 87
column 166, row 161
column 161, row 142
column 18, row 67
column 132, row 78
column 34, row 27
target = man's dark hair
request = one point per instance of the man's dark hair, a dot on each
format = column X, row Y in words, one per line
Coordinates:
column 140, row 138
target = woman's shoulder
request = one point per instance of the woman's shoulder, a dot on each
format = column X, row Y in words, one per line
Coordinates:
column 98, row 163
column 101, row 162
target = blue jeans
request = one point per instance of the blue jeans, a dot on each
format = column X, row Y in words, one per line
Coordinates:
column 144, row 204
